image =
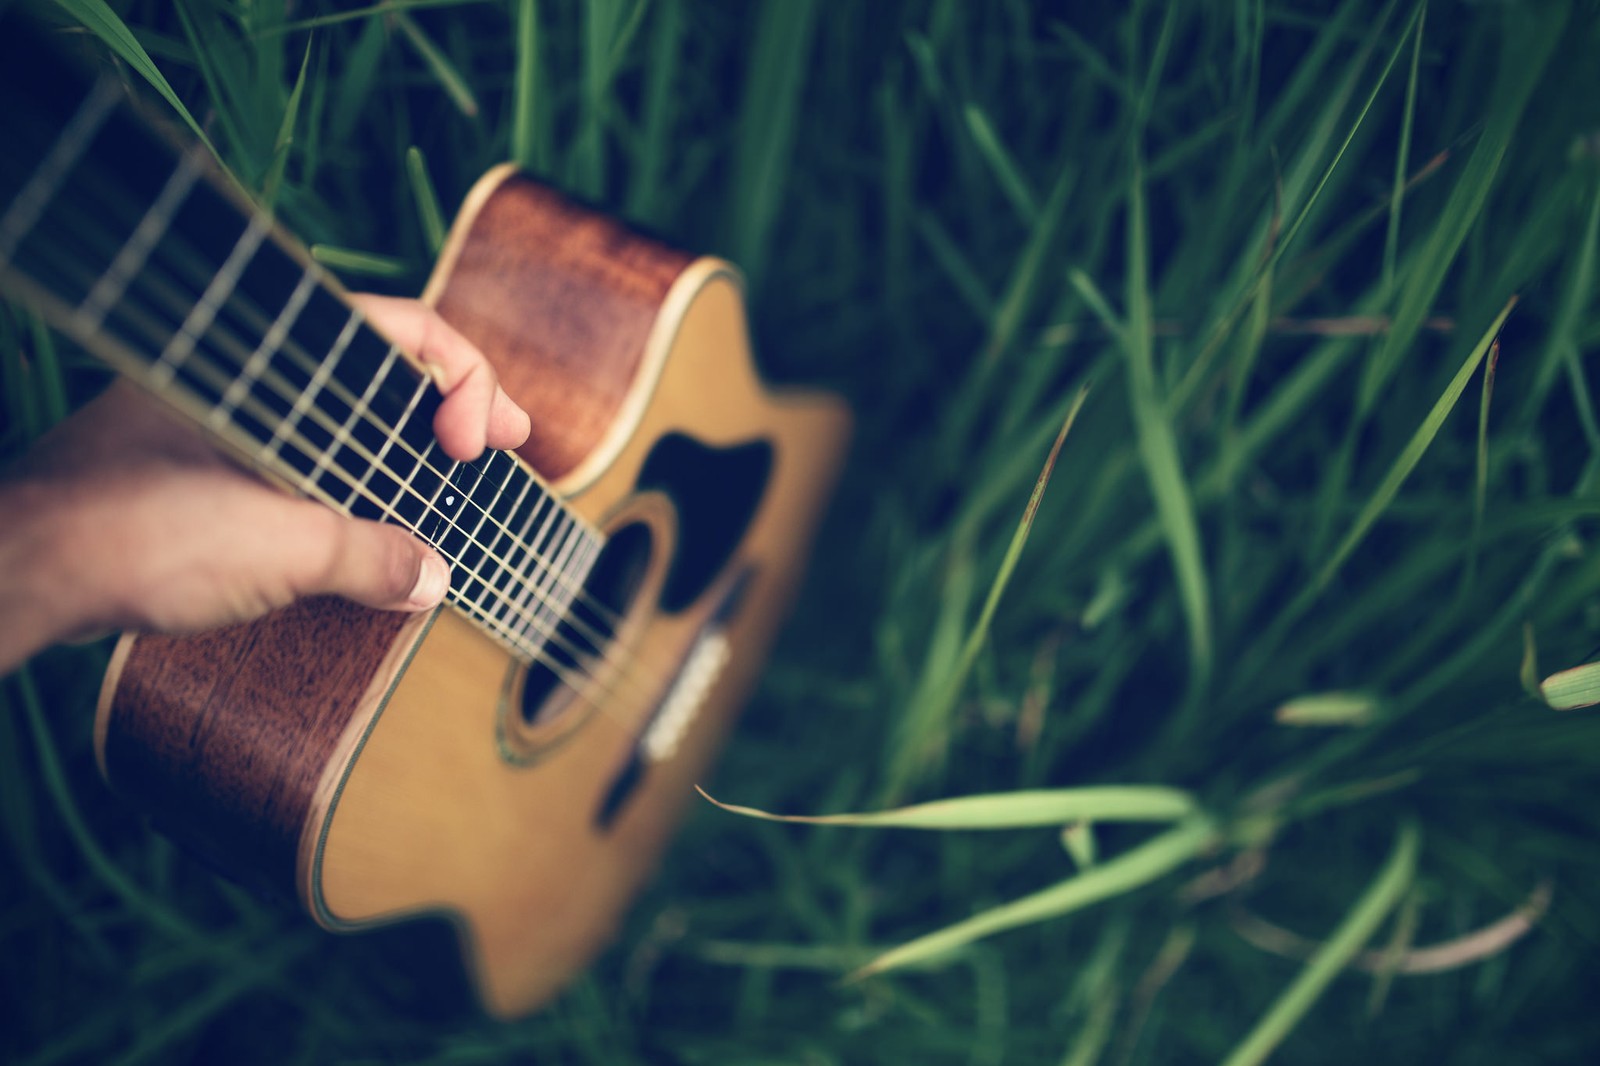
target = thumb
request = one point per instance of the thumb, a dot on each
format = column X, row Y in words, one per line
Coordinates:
column 381, row 566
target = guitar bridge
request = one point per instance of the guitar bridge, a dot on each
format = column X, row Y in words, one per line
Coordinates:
column 664, row 731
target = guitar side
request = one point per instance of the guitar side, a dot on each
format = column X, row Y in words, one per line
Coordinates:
column 395, row 792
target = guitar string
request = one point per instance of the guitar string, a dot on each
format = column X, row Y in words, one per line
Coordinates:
column 546, row 616
column 305, row 361
column 108, row 192
column 604, row 613
column 552, row 561
column 647, row 687
column 311, row 485
column 490, row 586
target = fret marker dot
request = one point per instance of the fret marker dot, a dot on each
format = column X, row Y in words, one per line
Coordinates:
column 448, row 500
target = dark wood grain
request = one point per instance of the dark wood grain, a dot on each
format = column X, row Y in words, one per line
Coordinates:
column 223, row 737
column 561, row 299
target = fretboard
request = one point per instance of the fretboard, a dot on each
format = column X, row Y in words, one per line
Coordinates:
column 134, row 247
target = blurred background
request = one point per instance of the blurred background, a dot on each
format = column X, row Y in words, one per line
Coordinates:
column 1321, row 551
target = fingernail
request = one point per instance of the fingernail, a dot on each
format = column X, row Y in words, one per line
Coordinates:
column 432, row 584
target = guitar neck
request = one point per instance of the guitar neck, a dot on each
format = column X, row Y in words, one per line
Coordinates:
column 136, row 247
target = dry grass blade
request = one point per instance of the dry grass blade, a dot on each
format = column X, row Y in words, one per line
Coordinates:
column 1442, row 957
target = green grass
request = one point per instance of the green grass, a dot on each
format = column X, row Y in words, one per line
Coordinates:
column 1279, row 242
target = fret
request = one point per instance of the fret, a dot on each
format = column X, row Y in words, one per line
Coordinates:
column 36, row 194
column 475, row 555
column 404, row 507
column 503, row 527
column 585, row 618
column 562, row 589
column 457, row 489
column 494, row 501
column 131, row 257
column 319, row 378
column 428, row 508
column 388, row 443
column 579, row 573
column 545, row 584
column 256, row 363
column 358, row 411
column 221, row 286
column 517, row 552
column 527, row 579
column 504, row 570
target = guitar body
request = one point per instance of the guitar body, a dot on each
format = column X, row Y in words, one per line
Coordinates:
column 384, row 766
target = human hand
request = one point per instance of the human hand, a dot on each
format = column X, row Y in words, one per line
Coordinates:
column 123, row 517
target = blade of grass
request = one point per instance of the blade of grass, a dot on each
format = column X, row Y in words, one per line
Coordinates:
column 285, row 139
column 224, row 67
column 958, row 270
column 444, row 72
column 427, row 200
column 1408, row 458
column 1158, row 444
column 587, row 164
column 1146, row 863
column 659, row 120
column 1001, row 164
column 529, row 123
column 1526, row 46
column 1352, row 935
column 1576, row 298
column 1328, row 709
column 380, row 266
column 1024, row 281
column 623, row 39
column 1572, row 689
column 1009, row 810
column 1294, row 186
column 942, row 682
column 351, row 93
column 109, row 874
column 1408, row 114
column 767, row 121
column 98, row 18
column 1480, row 495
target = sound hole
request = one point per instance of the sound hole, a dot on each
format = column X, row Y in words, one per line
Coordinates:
column 568, row 659
column 716, row 492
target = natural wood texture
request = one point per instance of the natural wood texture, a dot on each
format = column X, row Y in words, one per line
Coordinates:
column 225, row 736
column 565, row 297
column 432, row 818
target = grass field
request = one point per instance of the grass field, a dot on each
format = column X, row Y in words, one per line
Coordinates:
column 1325, row 519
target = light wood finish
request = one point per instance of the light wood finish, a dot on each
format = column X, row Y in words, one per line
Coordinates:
column 431, row 817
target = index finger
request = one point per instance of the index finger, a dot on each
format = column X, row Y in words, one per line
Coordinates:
column 475, row 412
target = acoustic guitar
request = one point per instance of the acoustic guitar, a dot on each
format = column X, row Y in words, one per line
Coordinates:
column 516, row 759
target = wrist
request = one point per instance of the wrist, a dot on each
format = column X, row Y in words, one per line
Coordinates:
column 42, row 600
